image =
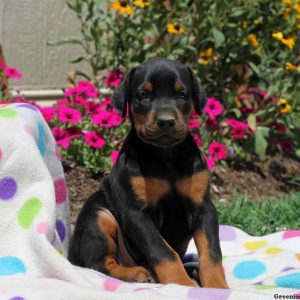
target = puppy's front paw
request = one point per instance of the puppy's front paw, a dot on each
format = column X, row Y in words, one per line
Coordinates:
column 139, row 274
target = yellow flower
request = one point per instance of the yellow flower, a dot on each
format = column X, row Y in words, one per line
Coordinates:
column 206, row 56
column 277, row 35
column 292, row 67
column 287, row 1
column 296, row 7
column 244, row 25
column 141, row 3
column 122, row 7
column 286, row 13
column 283, row 105
column 252, row 40
column 257, row 21
column 238, row 103
column 175, row 28
column 290, row 42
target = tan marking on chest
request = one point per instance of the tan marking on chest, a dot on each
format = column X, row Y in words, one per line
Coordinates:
column 193, row 187
column 149, row 189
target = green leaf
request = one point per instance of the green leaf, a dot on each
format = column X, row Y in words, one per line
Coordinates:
column 261, row 142
column 218, row 37
column 252, row 121
column 254, row 68
column 64, row 41
column 77, row 60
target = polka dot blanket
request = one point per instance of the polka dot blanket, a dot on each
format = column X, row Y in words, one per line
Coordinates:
column 35, row 229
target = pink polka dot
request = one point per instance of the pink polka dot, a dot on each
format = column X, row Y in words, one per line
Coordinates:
column 57, row 153
column 291, row 233
column 60, row 190
column 111, row 284
column 0, row 154
column 28, row 129
column 43, row 228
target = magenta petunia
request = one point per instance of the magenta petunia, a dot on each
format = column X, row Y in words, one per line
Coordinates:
column 94, row 139
column 197, row 140
column 210, row 163
column 113, row 78
column 238, row 132
column 48, row 113
column 286, row 146
column 194, row 124
column 213, row 107
column 212, row 122
column 69, row 115
column 12, row 73
column 114, row 156
column 61, row 137
column 236, row 124
column 106, row 118
column 281, row 128
column 73, row 132
column 84, row 89
column 217, row 151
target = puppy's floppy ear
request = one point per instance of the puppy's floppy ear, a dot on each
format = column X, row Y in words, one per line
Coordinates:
column 199, row 95
column 121, row 95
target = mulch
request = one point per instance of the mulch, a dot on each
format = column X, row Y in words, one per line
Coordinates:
column 256, row 180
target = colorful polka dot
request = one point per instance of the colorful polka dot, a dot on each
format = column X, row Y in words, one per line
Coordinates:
column 199, row 293
column 289, row 281
column 60, row 227
column 4, row 105
column 291, row 234
column 273, row 250
column 28, row 130
column 41, row 139
column 8, row 188
column 0, row 154
column 17, row 298
column 7, row 113
column 10, row 265
column 265, row 287
column 287, row 269
column 298, row 256
column 249, row 269
column 227, row 233
column 111, row 284
column 29, row 106
column 28, row 212
column 255, row 245
column 60, row 190
column 43, row 228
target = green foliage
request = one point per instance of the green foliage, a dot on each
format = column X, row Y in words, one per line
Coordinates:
column 265, row 217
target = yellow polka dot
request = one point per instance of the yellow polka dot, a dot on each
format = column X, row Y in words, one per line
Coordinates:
column 298, row 256
column 60, row 251
column 273, row 250
column 255, row 245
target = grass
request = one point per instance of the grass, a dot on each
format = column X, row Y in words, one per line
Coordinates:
column 267, row 216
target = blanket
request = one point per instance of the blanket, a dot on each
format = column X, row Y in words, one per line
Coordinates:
column 35, row 230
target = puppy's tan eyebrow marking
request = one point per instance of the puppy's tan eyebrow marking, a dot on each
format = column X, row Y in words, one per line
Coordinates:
column 148, row 86
column 178, row 86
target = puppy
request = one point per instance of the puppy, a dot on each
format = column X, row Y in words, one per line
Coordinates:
column 157, row 197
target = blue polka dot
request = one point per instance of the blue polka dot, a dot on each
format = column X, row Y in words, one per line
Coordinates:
column 41, row 139
column 249, row 269
column 289, row 281
column 10, row 265
column 29, row 106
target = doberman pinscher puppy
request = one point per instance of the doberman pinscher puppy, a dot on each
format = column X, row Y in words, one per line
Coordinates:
column 157, row 197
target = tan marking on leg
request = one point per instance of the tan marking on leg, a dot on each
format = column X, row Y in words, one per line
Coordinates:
column 173, row 271
column 178, row 86
column 148, row 189
column 148, row 86
column 193, row 187
column 211, row 273
column 132, row 274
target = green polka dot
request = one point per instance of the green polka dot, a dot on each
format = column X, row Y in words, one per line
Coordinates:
column 265, row 287
column 7, row 113
column 28, row 212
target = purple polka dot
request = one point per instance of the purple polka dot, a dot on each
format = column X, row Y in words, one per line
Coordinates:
column 208, row 294
column 60, row 227
column 227, row 233
column 60, row 191
column 8, row 188
column 17, row 298
column 287, row 269
column 28, row 106
column 258, row 283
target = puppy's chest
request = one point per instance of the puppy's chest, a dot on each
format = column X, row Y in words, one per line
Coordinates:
column 151, row 190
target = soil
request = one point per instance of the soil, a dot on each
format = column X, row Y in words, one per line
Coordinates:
column 256, row 180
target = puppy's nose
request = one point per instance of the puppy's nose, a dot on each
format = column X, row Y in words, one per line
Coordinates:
column 166, row 122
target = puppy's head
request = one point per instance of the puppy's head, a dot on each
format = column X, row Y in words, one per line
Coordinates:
column 161, row 95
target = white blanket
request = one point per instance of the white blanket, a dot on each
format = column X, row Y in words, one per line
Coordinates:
column 35, row 229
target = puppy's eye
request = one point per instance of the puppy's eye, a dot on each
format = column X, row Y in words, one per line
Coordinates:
column 143, row 95
column 182, row 95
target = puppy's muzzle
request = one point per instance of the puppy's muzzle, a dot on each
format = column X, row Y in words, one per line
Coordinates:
column 166, row 123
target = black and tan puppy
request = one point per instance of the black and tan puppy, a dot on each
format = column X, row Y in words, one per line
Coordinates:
column 156, row 199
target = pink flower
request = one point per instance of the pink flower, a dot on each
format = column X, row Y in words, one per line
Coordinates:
column 238, row 132
column 12, row 73
column 106, row 102
column 197, row 140
column 73, row 132
column 92, row 107
column 286, row 146
column 69, row 115
column 113, row 78
column 236, row 124
column 84, row 89
column 48, row 113
column 213, row 107
column 114, row 156
column 217, row 151
column 106, row 118
column 210, row 163
column 194, row 124
column 61, row 138
column 94, row 139
column 280, row 127
column 212, row 122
